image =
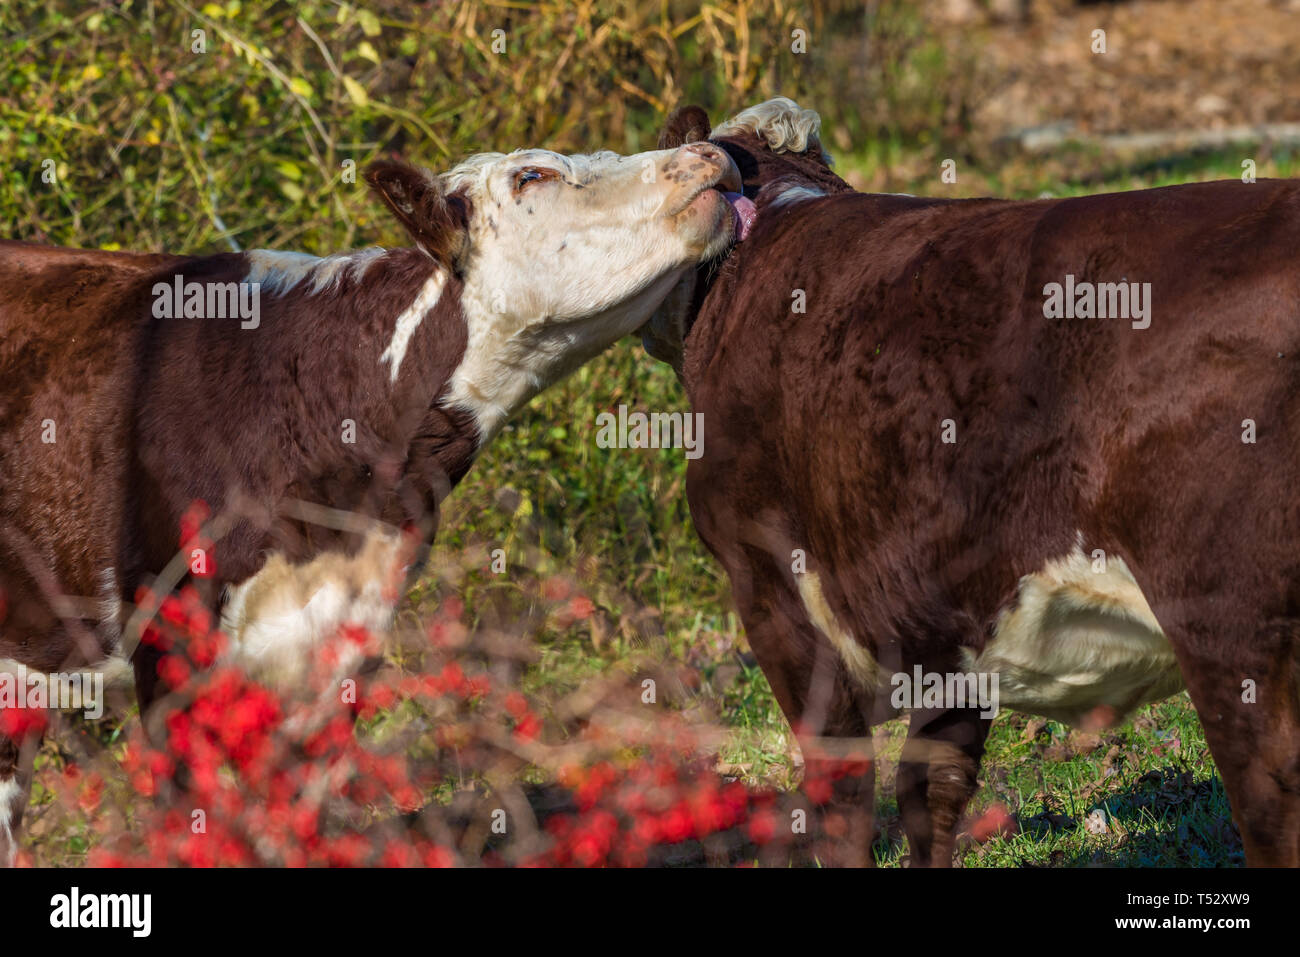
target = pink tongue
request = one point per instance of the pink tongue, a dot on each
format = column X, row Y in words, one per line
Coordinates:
column 744, row 212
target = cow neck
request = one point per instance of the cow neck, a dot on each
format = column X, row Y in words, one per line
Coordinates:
column 425, row 344
column 766, row 175
column 379, row 348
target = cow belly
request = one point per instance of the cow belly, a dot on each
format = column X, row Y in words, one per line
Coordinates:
column 279, row 619
column 1080, row 645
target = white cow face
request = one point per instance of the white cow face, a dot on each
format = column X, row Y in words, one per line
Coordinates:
column 599, row 228
column 559, row 256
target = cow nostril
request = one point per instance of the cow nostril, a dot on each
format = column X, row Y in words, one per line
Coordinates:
column 703, row 149
column 718, row 164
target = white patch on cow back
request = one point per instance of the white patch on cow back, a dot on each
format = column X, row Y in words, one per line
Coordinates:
column 410, row 320
column 279, row 271
column 795, row 194
column 277, row 619
column 1080, row 646
column 861, row 665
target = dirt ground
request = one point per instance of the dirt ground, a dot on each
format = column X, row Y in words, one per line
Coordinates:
column 1169, row 65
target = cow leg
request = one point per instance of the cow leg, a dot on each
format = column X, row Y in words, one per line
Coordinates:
column 1254, row 734
column 847, row 819
column 16, row 765
column 936, row 777
column 828, row 713
column 148, row 686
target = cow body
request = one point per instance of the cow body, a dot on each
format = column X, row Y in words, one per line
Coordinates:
column 289, row 460
column 926, row 470
column 145, row 416
column 152, row 414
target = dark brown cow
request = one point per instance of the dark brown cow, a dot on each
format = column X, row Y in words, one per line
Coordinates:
column 976, row 454
column 315, row 406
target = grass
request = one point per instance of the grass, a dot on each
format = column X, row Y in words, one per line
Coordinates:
column 154, row 147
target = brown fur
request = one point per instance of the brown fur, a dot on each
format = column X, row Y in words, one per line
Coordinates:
column 182, row 410
column 825, row 435
column 153, row 414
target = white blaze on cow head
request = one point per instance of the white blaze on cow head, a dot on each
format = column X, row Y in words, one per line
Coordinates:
column 559, row 256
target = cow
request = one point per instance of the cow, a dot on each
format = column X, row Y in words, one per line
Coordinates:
column 307, row 414
column 1054, row 443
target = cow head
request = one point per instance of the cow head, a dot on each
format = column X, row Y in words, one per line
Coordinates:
column 559, row 256
column 775, row 146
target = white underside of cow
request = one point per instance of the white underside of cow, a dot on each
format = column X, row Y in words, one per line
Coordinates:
column 1080, row 645
column 278, row 620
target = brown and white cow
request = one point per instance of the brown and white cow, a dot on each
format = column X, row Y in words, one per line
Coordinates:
column 344, row 400
column 931, row 467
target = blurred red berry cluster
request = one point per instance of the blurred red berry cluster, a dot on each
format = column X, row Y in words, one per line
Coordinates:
column 419, row 751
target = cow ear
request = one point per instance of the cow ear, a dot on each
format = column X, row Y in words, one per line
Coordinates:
column 438, row 221
column 687, row 124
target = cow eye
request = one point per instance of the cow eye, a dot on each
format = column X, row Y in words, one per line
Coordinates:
column 526, row 176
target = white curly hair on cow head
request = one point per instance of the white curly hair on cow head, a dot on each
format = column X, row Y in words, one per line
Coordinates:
column 782, row 123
